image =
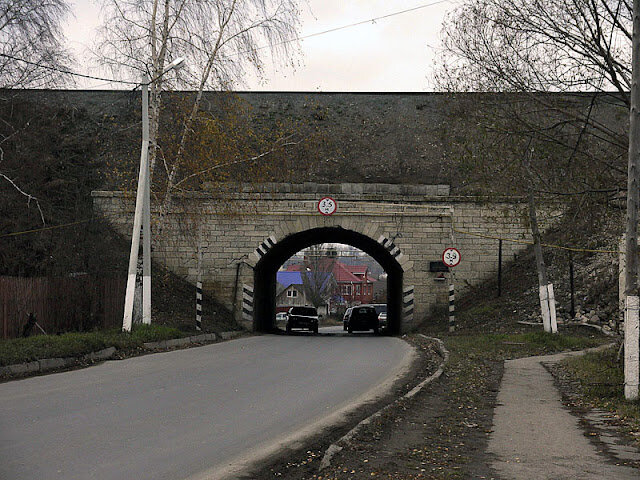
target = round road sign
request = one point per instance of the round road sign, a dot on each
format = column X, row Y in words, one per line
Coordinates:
column 327, row 206
column 451, row 257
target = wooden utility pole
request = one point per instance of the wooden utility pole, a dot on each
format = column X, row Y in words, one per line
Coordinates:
column 631, row 338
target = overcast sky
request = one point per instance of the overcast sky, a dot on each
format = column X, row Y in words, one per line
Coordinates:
column 391, row 54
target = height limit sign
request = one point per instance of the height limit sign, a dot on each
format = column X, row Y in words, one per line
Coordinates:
column 451, row 257
column 327, row 206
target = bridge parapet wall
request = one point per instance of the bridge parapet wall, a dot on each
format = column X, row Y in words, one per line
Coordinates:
column 236, row 224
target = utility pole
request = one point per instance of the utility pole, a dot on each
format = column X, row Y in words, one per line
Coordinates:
column 631, row 338
column 143, row 179
column 142, row 216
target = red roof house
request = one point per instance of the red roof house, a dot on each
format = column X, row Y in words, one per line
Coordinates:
column 354, row 285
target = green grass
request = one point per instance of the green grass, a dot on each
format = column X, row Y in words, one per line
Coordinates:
column 507, row 346
column 601, row 379
column 38, row 347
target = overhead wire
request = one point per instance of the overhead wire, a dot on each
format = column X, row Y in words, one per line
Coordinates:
column 529, row 242
column 68, row 72
column 296, row 39
column 457, row 230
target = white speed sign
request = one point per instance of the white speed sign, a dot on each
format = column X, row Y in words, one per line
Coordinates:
column 451, row 257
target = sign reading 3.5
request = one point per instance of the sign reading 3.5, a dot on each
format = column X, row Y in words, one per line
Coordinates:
column 451, row 257
column 327, row 206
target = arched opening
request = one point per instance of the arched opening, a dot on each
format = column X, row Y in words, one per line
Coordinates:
column 264, row 310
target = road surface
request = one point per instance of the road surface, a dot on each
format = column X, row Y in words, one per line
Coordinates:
column 200, row 413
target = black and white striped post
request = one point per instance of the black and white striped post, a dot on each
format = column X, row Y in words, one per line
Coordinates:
column 199, row 254
column 452, row 308
column 199, row 306
column 451, row 258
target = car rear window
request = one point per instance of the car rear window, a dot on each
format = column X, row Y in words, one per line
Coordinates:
column 364, row 310
column 380, row 308
column 307, row 311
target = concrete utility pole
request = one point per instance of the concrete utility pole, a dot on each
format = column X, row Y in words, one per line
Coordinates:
column 631, row 338
column 141, row 194
column 142, row 217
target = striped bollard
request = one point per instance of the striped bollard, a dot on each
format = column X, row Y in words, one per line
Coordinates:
column 199, row 306
column 452, row 309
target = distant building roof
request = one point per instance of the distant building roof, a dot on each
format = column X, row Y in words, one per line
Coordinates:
column 357, row 269
column 289, row 278
column 341, row 272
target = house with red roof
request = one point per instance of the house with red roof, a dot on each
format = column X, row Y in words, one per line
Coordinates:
column 354, row 285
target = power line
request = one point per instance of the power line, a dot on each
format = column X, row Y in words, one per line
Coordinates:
column 311, row 35
column 350, row 25
column 529, row 242
column 68, row 72
column 14, row 234
column 372, row 20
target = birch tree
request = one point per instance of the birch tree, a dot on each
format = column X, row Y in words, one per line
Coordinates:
column 221, row 40
column 32, row 52
column 538, row 45
column 537, row 48
column 534, row 46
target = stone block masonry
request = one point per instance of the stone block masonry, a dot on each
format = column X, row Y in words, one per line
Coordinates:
column 241, row 223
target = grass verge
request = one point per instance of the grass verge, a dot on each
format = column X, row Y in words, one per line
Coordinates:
column 38, row 347
column 508, row 346
column 600, row 378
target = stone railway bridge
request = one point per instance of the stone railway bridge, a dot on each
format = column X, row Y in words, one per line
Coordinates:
column 243, row 233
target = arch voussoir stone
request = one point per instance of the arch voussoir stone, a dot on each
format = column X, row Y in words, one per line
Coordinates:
column 372, row 230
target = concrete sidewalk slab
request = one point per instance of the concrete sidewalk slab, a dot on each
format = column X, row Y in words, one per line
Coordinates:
column 536, row 437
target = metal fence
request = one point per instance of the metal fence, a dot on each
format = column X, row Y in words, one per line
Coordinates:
column 61, row 304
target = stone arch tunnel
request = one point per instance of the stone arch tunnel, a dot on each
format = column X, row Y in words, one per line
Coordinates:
column 248, row 231
column 264, row 307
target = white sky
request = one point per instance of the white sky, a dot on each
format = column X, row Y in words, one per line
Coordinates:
column 392, row 54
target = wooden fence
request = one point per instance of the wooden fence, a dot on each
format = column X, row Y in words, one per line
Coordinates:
column 61, row 304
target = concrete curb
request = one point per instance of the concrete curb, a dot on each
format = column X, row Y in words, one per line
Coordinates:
column 180, row 342
column 48, row 364
column 346, row 438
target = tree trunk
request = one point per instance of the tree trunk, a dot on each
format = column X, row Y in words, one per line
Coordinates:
column 547, row 298
column 537, row 244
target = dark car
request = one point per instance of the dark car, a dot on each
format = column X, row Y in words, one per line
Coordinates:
column 345, row 319
column 302, row 317
column 362, row 318
column 381, row 310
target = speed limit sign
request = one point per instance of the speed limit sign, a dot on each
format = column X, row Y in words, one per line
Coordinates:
column 451, row 257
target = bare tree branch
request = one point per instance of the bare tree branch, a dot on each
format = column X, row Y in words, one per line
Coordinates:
column 29, row 197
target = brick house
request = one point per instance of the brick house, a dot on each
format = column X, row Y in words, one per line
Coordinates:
column 354, row 285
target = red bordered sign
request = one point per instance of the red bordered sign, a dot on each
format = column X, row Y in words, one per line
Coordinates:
column 451, row 257
column 327, row 206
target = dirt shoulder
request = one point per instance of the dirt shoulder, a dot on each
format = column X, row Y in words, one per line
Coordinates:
column 441, row 429
column 440, row 433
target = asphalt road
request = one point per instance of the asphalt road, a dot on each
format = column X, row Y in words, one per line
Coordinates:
column 200, row 413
